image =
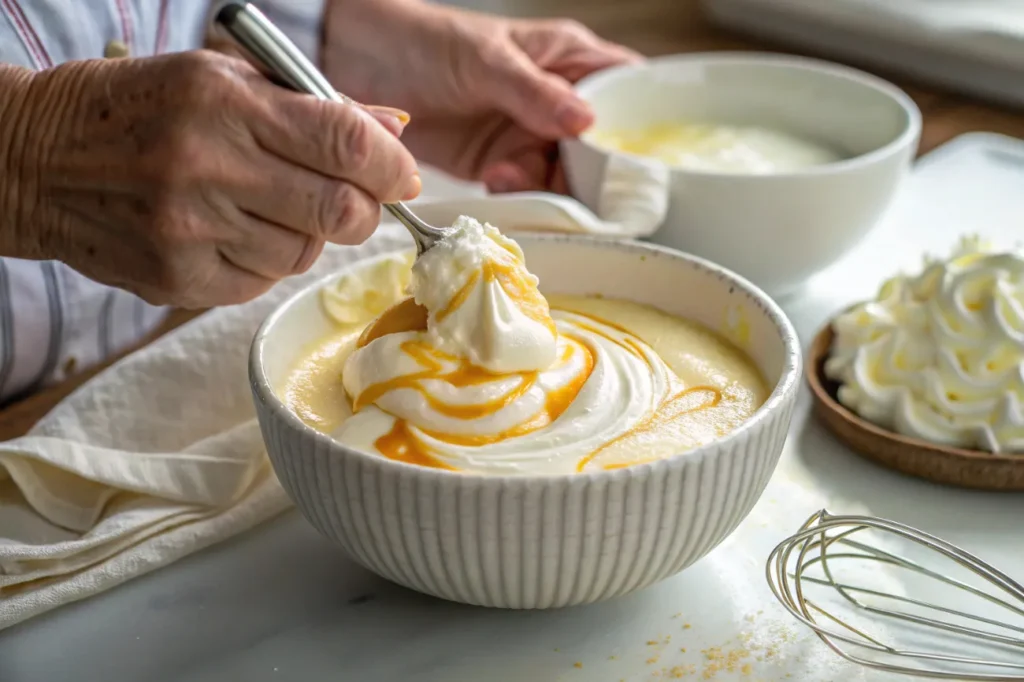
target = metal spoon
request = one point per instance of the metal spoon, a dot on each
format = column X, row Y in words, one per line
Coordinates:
column 270, row 48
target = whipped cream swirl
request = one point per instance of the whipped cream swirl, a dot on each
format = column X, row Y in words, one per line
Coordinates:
column 940, row 355
column 499, row 384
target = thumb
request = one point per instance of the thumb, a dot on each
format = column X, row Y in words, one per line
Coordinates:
column 541, row 102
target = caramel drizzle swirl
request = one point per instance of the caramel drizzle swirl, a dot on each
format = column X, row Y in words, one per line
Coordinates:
column 403, row 444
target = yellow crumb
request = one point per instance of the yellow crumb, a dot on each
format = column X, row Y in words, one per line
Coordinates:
column 746, row 669
column 652, row 660
column 718, row 660
column 679, row 671
column 653, row 642
column 686, row 626
column 577, row 664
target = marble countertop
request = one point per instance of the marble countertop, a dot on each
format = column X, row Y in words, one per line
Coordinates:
column 280, row 603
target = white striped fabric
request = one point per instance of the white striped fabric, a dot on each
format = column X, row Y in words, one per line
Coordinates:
column 53, row 321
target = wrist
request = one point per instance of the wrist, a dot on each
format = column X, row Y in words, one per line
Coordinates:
column 34, row 123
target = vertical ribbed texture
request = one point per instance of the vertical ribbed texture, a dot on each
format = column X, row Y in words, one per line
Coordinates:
column 526, row 543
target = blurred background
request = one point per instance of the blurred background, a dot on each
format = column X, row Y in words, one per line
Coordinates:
column 654, row 26
column 971, row 47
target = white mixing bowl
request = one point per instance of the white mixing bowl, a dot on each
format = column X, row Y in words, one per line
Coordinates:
column 776, row 230
column 541, row 541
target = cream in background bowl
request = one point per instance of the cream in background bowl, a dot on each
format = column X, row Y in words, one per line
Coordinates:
column 780, row 226
column 541, row 541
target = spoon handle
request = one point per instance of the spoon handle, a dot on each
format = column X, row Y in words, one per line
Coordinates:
column 271, row 48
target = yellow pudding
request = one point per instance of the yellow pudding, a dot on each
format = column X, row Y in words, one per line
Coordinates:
column 504, row 380
column 718, row 148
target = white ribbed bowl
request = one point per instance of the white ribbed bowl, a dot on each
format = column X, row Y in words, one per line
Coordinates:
column 541, row 541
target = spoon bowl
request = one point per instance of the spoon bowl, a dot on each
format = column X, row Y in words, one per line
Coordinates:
column 405, row 316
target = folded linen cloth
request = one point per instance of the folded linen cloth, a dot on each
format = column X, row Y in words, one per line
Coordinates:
column 160, row 455
column 155, row 458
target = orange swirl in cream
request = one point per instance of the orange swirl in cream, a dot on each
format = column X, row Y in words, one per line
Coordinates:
column 498, row 383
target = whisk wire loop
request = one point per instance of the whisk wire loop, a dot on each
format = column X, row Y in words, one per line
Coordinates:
column 811, row 558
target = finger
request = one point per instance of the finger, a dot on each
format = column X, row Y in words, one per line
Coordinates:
column 342, row 141
column 526, row 174
column 581, row 63
column 269, row 250
column 569, row 49
column 541, row 102
column 222, row 283
column 506, row 177
column 307, row 202
column 393, row 119
column 559, row 183
column 232, row 285
column 528, row 166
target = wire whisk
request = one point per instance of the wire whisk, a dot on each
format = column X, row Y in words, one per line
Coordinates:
column 837, row 576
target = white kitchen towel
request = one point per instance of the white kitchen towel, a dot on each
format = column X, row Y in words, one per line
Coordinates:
column 155, row 458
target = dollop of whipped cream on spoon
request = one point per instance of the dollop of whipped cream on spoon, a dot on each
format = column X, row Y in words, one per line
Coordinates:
column 482, row 303
column 499, row 384
column 939, row 355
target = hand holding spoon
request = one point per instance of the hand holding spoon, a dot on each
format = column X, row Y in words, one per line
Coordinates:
column 271, row 49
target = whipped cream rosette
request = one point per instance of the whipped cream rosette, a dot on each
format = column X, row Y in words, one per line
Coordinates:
column 939, row 355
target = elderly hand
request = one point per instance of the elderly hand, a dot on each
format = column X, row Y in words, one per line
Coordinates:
column 190, row 179
column 489, row 97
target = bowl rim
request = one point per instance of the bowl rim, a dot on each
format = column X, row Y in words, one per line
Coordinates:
column 954, row 462
column 908, row 136
column 783, row 391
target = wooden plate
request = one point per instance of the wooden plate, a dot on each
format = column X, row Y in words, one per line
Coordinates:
column 951, row 466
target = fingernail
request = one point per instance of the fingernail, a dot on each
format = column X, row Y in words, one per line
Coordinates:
column 500, row 185
column 575, row 115
column 394, row 119
column 415, row 187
